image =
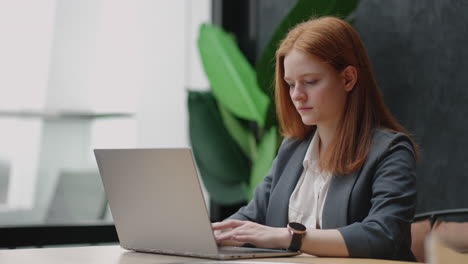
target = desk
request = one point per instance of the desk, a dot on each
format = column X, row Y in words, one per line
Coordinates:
column 117, row 255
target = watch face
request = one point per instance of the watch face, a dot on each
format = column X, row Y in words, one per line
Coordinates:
column 297, row 226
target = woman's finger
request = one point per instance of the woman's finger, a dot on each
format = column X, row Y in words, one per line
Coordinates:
column 244, row 238
column 227, row 224
column 231, row 233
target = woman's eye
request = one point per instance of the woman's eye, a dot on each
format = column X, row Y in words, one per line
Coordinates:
column 291, row 85
column 311, row 82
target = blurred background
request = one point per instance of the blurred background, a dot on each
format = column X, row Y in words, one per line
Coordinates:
column 79, row 75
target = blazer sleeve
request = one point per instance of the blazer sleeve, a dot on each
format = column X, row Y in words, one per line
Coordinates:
column 256, row 209
column 393, row 200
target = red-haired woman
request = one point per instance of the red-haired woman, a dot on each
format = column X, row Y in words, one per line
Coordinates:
column 343, row 182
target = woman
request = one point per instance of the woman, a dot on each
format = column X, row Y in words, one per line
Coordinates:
column 346, row 169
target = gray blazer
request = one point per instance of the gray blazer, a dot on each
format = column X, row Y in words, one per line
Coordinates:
column 372, row 207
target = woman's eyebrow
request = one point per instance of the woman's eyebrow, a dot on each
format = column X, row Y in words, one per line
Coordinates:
column 286, row 78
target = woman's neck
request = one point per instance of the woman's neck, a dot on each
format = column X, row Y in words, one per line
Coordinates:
column 326, row 134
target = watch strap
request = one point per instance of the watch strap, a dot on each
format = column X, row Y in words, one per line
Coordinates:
column 296, row 242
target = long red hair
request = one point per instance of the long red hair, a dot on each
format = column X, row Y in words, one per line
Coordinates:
column 337, row 43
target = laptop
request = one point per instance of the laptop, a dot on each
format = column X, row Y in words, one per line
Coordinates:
column 158, row 206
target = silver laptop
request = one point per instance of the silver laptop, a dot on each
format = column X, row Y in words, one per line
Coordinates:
column 158, row 206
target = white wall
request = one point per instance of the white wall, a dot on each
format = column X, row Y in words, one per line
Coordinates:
column 147, row 58
column 26, row 31
column 134, row 56
column 196, row 13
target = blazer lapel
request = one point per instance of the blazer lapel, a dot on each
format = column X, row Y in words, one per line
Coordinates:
column 279, row 201
column 335, row 209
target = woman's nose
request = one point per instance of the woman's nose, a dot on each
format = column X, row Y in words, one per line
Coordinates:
column 298, row 94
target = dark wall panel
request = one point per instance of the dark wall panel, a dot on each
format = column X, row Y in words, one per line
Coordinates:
column 420, row 57
column 269, row 15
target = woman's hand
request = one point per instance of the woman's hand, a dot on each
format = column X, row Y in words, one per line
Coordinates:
column 253, row 233
column 226, row 242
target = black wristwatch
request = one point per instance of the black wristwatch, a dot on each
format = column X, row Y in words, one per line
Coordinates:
column 297, row 231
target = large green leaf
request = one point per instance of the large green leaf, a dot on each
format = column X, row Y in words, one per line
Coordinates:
column 239, row 132
column 232, row 78
column 265, row 156
column 302, row 11
column 224, row 168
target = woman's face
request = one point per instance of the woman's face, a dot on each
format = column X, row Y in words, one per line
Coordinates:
column 317, row 90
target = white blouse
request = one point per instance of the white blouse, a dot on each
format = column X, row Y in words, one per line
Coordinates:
column 307, row 200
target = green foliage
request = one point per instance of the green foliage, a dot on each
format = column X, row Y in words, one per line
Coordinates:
column 262, row 163
column 222, row 164
column 244, row 136
column 232, row 78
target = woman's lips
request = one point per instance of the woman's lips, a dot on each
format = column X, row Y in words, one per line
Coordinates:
column 305, row 108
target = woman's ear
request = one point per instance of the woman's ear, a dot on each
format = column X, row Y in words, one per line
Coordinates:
column 349, row 77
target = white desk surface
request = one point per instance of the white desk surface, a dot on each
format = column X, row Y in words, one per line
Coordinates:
column 117, row 255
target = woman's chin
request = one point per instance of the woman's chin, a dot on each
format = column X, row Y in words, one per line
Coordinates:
column 309, row 122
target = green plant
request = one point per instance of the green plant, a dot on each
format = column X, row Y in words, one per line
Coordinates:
column 232, row 155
